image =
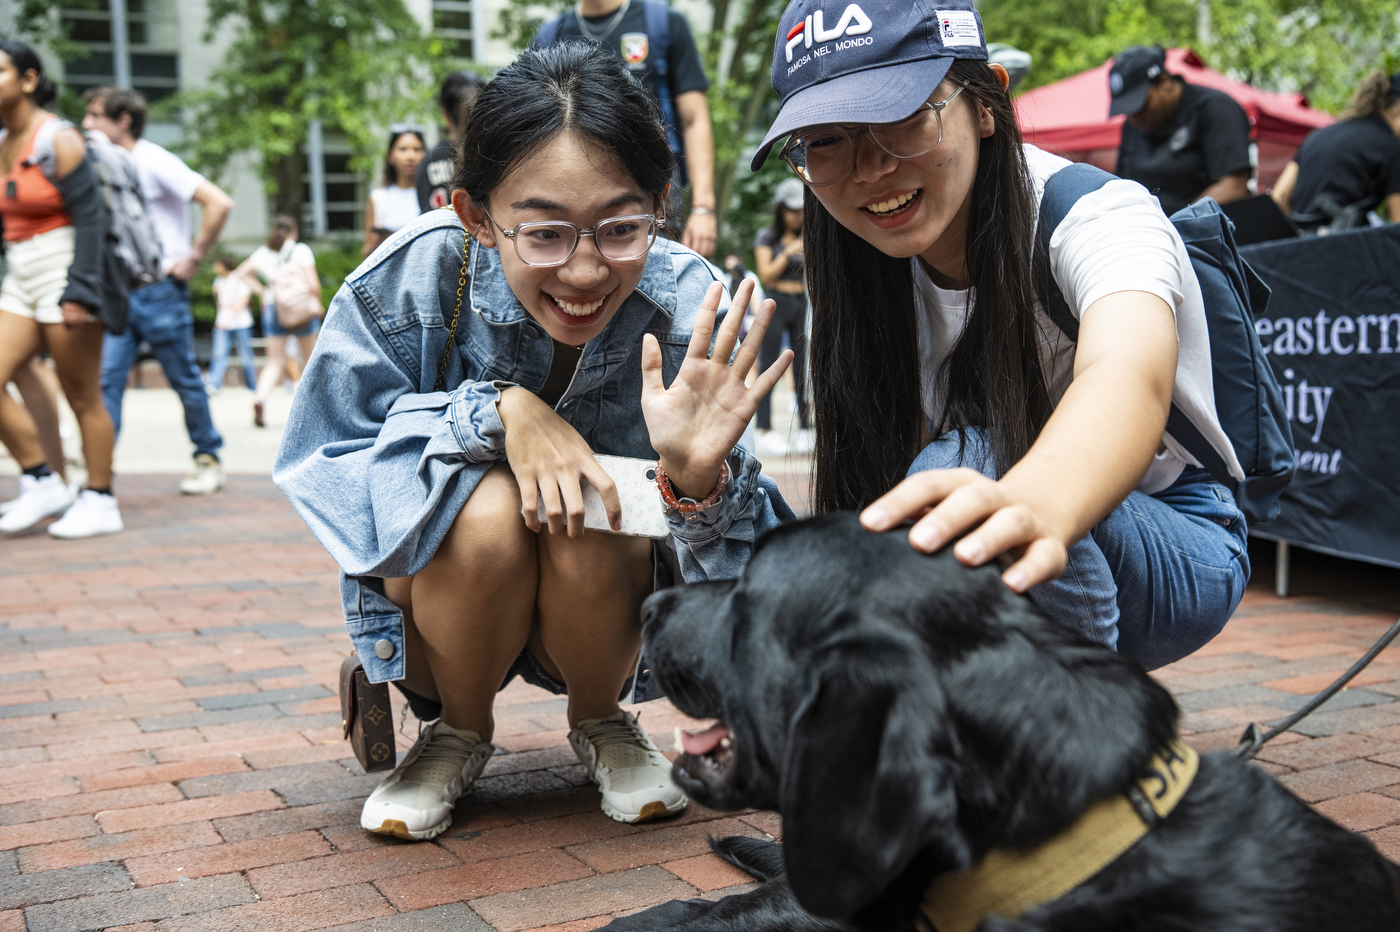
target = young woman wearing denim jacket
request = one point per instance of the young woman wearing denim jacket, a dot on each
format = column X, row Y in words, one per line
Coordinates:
column 426, row 496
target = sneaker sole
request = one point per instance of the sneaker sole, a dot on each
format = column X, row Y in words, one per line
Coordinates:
column 399, row 829
column 85, row 536
column 650, row 811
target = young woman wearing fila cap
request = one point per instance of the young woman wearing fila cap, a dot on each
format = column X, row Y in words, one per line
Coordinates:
column 943, row 392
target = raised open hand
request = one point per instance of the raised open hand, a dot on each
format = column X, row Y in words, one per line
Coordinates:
column 696, row 422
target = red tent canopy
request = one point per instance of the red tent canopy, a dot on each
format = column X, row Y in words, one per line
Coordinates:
column 1070, row 117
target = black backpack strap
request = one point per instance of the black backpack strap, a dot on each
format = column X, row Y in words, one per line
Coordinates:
column 1062, row 191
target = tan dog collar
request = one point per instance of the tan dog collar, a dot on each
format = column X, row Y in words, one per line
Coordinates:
column 1008, row 882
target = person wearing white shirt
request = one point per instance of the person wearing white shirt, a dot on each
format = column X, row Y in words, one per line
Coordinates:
column 281, row 251
column 160, row 312
column 944, row 393
column 234, row 323
column 395, row 206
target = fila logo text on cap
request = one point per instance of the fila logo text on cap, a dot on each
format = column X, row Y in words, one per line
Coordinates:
column 811, row 30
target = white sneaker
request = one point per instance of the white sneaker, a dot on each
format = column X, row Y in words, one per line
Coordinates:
column 634, row 776
column 92, row 514
column 806, row 440
column 771, row 443
column 206, row 478
column 38, row 498
column 415, row 801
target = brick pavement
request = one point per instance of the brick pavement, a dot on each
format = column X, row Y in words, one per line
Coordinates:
column 170, row 755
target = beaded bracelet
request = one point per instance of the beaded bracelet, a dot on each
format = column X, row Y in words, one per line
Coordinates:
column 689, row 508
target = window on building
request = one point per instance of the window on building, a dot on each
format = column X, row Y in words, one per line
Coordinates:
column 345, row 189
column 152, row 31
column 452, row 21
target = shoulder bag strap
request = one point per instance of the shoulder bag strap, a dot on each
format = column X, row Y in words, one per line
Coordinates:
column 456, row 313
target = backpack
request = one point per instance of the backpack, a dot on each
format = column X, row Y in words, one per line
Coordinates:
column 132, row 237
column 292, row 299
column 658, row 15
column 1247, row 397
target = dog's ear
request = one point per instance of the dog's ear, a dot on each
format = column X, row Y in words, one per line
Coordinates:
column 868, row 781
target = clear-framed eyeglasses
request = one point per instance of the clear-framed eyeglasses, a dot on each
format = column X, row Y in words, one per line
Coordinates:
column 548, row 243
column 822, row 155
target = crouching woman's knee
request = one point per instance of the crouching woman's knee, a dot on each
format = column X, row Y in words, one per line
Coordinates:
column 489, row 535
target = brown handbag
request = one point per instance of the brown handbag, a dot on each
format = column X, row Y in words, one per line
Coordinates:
column 367, row 717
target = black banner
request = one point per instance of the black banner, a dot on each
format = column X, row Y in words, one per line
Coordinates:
column 1332, row 332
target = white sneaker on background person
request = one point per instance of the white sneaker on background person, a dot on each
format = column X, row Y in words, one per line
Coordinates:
column 92, row 514
column 415, row 801
column 806, row 440
column 770, row 443
column 633, row 775
column 206, row 478
column 38, row 499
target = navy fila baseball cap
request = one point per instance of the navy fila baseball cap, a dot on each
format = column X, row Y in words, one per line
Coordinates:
column 872, row 61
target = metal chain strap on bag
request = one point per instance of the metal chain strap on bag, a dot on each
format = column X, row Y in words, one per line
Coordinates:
column 456, row 313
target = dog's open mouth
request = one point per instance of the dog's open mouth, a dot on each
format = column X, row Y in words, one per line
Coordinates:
column 711, row 750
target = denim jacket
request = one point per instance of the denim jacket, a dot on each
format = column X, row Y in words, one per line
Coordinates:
column 379, row 464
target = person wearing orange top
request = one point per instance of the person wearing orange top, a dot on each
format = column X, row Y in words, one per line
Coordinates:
column 52, row 290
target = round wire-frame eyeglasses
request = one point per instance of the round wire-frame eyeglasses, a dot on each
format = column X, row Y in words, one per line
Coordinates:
column 653, row 224
column 834, row 144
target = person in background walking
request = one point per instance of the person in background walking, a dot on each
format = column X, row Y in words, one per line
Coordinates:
column 160, row 312
column 268, row 262
column 434, row 179
column 52, row 288
column 1344, row 170
column 778, row 255
column 395, row 205
column 1182, row 142
column 234, row 323
column 678, row 83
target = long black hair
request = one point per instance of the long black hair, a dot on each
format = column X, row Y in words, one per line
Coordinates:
column 26, row 59
column 865, row 357
column 571, row 87
column 391, row 174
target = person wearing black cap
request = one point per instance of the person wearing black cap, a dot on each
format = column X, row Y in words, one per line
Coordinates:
column 1344, row 170
column 435, row 172
column 930, row 350
column 1180, row 141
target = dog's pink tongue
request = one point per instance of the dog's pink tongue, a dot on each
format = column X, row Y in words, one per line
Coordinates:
column 700, row 743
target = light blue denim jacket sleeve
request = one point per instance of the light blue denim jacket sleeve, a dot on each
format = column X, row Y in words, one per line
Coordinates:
column 378, row 463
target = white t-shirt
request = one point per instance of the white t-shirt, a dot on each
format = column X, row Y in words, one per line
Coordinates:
column 394, row 207
column 268, row 262
column 169, row 185
column 1115, row 239
column 231, row 293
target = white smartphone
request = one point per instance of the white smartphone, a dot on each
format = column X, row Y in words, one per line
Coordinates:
column 643, row 512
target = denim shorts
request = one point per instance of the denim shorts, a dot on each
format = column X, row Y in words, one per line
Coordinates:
column 273, row 328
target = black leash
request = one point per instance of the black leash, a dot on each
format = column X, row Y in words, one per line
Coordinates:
column 1255, row 738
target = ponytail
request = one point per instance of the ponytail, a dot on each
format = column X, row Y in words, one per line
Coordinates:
column 1377, row 91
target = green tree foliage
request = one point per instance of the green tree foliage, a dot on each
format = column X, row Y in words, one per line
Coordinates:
column 358, row 65
column 1321, row 49
column 737, row 47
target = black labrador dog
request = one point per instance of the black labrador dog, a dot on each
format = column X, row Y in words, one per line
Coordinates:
column 906, row 715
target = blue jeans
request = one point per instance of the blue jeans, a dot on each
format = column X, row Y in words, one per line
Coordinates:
column 160, row 315
column 1156, row 579
column 243, row 339
column 272, row 327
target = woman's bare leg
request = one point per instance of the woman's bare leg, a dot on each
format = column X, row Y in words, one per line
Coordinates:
column 39, row 388
column 306, row 344
column 77, row 355
column 471, row 608
column 590, row 628
column 271, row 375
column 19, row 341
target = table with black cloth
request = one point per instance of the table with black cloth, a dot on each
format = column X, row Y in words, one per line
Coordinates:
column 1332, row 332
